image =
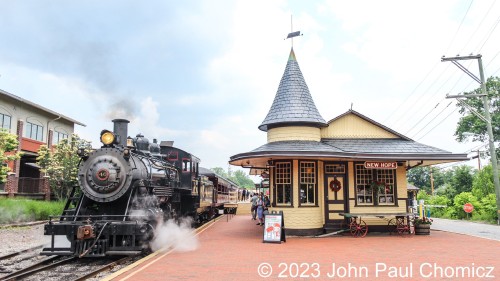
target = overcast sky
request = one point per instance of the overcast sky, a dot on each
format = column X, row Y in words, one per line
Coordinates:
column 205, row 73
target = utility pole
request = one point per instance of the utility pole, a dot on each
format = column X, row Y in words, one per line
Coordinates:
column 478, row 160
column 486, row 118
column 432, row 182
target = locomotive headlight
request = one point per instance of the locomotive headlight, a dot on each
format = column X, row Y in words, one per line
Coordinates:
column 107, row 137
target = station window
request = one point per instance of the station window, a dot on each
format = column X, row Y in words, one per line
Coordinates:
column 5, row 121
column 307, row 183
column 335, row 168
column 58, row 136
column 283, row 183
column 375, row 186
column 33, row 131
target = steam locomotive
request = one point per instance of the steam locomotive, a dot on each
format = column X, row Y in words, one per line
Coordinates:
column 125, row 189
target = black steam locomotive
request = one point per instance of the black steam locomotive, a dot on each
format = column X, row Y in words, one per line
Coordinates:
column 125, row 188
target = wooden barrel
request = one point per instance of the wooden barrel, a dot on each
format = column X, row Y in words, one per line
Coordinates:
column 422, row 229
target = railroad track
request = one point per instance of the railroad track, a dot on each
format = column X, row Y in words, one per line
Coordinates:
column 29, row 265
column 66, row 268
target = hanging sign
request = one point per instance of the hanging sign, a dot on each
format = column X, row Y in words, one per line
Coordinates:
column 274, row 228
column 380, row 165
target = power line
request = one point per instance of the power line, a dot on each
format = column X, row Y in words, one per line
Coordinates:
column 438, row 123
column 413, row 92
column 481, row 23
column 489, row 34
column 432, row 120
column 424, row 117
column 459, row 26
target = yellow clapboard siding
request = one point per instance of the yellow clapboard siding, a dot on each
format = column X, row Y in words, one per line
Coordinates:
column 301, row 218
column 335, row 216
column 293, row 133
column 352, row 126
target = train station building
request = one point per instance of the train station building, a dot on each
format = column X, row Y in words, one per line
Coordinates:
column 321, row 169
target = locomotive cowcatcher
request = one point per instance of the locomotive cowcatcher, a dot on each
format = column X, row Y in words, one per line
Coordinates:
column 125, row 188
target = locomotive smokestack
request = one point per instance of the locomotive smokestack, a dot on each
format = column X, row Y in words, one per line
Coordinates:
column 120, row 128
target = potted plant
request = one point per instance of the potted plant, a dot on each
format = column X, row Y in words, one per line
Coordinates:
column 378, row 186
column 423, row 226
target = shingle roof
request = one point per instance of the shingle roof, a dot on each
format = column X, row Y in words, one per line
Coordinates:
column 293, row 103
column 296, row 146
column 387, row 146
column 393, row 149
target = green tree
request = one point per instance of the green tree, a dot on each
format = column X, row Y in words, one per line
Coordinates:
column 219, row 171
column 242, row 179
column 482, row 184
column 462, row 178
column 239, row 177
column 471, row 127
column 8, row 145
column 61, row 164
column 420, row 177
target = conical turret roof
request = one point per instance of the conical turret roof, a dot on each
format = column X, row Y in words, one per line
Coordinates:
column 293, row 104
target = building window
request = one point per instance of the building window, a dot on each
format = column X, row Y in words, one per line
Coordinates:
column 58, row 136
column 5, row 121
column 283, row 183
column 307, row 183
column 375, row 186
column 34, row 131
column 385, row 192
column 335, row 169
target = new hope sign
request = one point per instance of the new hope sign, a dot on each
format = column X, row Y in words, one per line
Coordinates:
column 381, row 165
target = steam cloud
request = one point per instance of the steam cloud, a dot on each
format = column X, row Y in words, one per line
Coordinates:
column 179, row 237
column 121, row 108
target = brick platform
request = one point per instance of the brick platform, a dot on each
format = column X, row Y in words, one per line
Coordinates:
column 233, row 250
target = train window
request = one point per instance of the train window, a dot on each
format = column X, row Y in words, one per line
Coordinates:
column 172, row 156
column 283, row 183
column 186, row 165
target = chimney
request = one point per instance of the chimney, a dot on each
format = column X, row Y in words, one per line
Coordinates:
column 120, row 129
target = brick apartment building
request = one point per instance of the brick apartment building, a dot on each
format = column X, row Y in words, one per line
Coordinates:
column 34, row 126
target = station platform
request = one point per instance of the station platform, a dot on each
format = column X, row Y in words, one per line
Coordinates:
column 233, row 249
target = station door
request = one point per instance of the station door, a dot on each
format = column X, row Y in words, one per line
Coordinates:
column 336, row 195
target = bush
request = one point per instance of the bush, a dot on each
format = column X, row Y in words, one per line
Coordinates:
column 439, row 200
column 488, row 210
column 25, row 210
column 461, row 199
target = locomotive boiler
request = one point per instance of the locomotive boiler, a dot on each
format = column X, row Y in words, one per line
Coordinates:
column 125, row 188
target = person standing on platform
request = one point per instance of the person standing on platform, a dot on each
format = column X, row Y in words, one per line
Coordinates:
column 253, row 200
column 260, row 209
column 243, row 194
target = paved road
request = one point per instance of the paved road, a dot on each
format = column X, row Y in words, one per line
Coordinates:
column 470, row 228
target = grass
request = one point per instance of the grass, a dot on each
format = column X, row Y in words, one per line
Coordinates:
column 25, row 210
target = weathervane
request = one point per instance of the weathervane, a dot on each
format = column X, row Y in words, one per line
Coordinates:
column 292, row 33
